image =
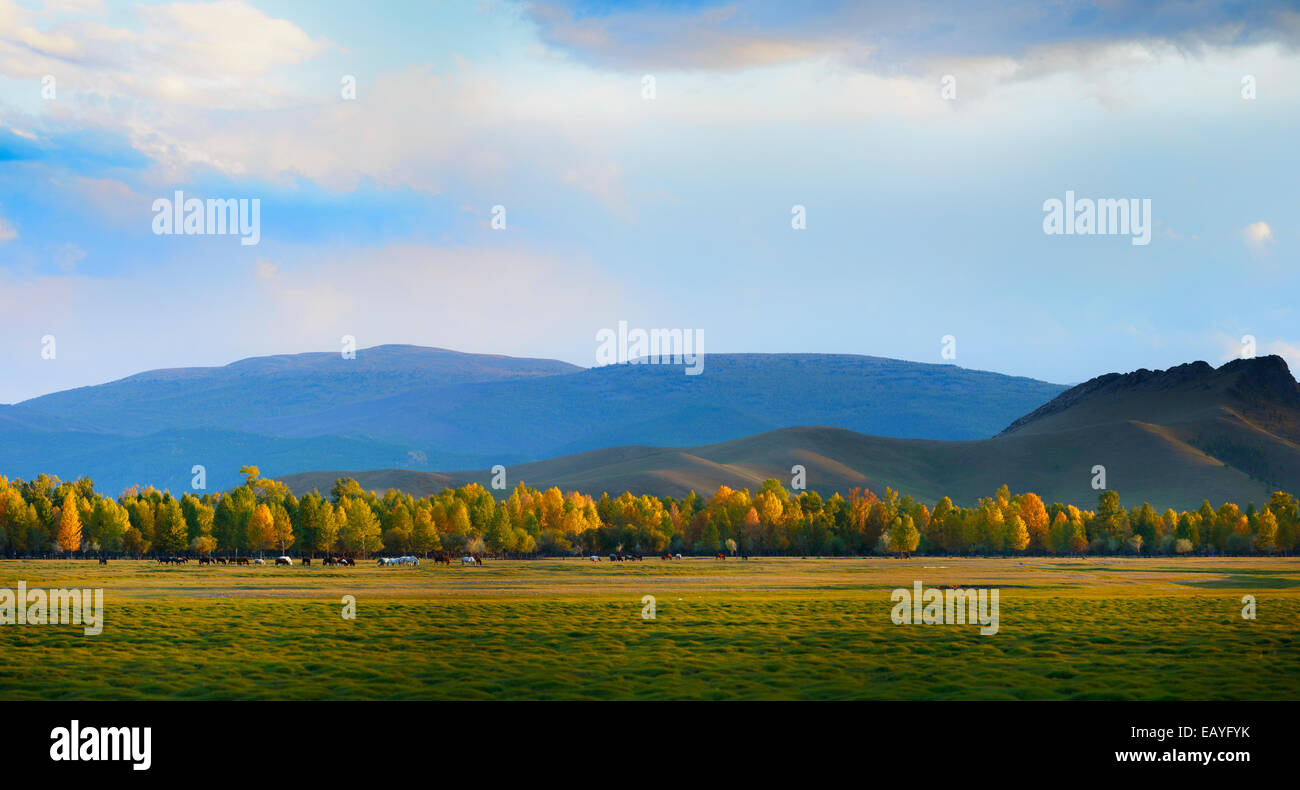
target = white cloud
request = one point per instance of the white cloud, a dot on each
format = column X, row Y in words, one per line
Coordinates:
column 7, row 231
column 1258, row 235
column 205, row 54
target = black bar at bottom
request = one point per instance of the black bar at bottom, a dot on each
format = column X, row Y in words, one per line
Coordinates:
column 401, row 739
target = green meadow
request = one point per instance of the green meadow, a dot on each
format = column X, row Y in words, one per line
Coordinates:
column 808, row 629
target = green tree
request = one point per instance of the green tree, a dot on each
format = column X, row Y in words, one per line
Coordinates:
column 171, row 533
column 1017, row 534
column 361, row 531
column 903, row 536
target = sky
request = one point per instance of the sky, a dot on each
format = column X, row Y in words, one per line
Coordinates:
column 648, row 160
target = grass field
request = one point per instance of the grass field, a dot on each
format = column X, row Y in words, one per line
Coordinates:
column 567, row 629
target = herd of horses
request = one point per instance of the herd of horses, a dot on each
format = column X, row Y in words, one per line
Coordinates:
column 638, row 557
column 439, row 558
column 327, row 560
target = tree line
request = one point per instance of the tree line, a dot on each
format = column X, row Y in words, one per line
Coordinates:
column 48, row 516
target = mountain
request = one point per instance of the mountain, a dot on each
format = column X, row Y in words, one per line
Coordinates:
column 736, row 395
column 276, row 387
column 425, row 409
column 1170, row 437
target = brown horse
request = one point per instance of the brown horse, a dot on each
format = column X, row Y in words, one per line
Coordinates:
column 719, row 556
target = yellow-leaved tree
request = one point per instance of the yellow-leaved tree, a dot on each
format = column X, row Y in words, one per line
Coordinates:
column 261, row 529
column 69, row 533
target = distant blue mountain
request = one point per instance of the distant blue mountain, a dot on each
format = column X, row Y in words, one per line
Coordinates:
column 275, row 387
column 424, row 408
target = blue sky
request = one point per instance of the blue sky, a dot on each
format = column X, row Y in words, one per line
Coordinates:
column 924, row 214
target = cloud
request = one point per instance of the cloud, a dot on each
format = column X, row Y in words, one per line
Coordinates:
column 887, row 37
column 710, row 38
column 1258, row 235
column 7, row 231
column 176, row 50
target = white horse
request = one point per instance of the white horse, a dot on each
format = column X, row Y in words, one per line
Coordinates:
column 468, row 561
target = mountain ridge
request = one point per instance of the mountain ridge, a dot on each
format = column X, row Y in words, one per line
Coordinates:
column 430, row 409
column 1170, row 437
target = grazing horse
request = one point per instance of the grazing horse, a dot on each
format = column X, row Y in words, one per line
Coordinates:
column 443, row 558
column 241, row 561
column 221, row 560
column 103, row 560
column 206, row 561
column 283, row 561
column 720, row 556
column 306, row 560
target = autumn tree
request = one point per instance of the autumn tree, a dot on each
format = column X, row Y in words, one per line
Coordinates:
column 1266, row 532
column 281, row 526
column 261, row 529
column 68, row 536
column 1034, row 516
